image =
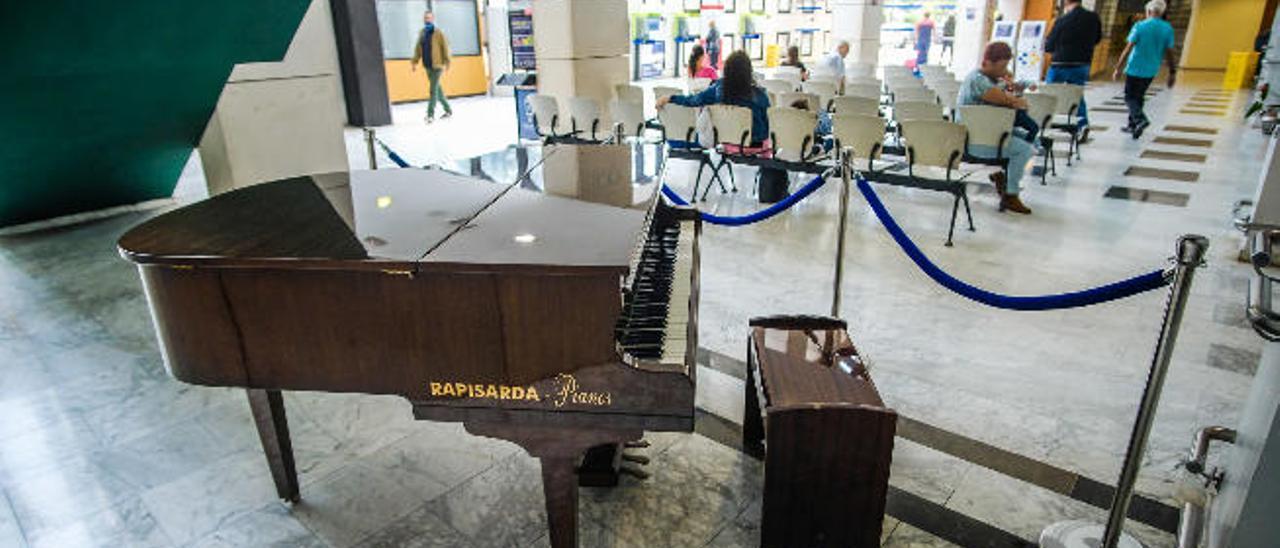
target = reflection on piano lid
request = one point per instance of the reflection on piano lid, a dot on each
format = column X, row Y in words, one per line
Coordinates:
column 416, row 215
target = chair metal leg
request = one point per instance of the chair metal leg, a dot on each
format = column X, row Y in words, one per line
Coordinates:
column 1044, row 167
column 715, row 177
column 698, row 180
column 964, row 195
column 955, row 208
column 1053, row 163
column 732, row 180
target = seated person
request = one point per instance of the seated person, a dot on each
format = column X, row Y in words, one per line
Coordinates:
column 736, row 87
column 1021, row 119
column 823, row 129
column 982, row 87
column 793, row 60
column 700, row 64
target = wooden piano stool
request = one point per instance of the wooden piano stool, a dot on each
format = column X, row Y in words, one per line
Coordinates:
column 826, row 435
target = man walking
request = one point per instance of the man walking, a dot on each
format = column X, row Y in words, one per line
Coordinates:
column 833, row 64
column 433, row 50
column 1150, row 41
column 1071, row 42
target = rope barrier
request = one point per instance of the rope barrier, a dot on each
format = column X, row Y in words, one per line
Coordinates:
column 756, row 217
column 1096, row 295
column 395, row 158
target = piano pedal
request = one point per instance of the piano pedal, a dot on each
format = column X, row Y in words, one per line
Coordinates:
column 638, row 444
column 600, row 466
column 635, row 472
column 638, row 459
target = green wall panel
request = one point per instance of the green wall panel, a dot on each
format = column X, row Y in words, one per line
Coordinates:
column 102, row 102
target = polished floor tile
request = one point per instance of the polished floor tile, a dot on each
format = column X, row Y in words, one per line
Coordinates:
column 1159, row 173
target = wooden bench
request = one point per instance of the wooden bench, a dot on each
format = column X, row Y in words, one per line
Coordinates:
column 826, row 435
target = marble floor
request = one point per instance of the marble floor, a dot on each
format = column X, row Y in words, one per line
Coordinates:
column 98, row 447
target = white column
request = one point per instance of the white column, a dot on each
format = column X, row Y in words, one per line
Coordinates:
column 858, row 21
column 582, row 47
column 973, row 31
column 1010, row 9
column 281, row 119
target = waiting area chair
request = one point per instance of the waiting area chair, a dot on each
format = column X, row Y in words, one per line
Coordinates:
column 825, row 91
column 847, row 104
column 1041, row 108
column 546, row 116
column 937, row 146
column 585, row 120
column 987, row 126
column 680, row 132
column 629, row 114
column 779, row 87
column 1069, row 97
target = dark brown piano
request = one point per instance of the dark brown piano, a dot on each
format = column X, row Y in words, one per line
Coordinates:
column 517, row 309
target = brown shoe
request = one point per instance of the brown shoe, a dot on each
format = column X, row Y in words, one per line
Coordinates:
column 998, row 179
column 1012, row 203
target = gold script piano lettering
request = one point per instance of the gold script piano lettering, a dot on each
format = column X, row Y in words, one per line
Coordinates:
column 484, row 391
column 567, row 392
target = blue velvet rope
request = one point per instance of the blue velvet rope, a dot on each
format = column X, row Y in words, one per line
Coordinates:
column 1100, row 294
column 392, row 154
column 756, row 217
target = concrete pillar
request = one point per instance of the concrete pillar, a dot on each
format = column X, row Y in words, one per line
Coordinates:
column 582, row 48
column 1012, row 10
column 858, row 21
column 973, row 31
column 280, row 119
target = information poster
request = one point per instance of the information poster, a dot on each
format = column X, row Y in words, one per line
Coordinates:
column 522, row 57
column 1003, row 31
column 652, row 60
column 1028, row 59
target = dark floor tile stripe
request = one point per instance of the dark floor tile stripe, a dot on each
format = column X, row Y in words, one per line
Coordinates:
column 1176, row 199
column 1182, row 141
column 1218, row 113
column 1192, row 129
column 1160, row 173
column 1022, row 468
column 1105, row 109
column 930, row 517
column 1174, row 156
column 1045, row 476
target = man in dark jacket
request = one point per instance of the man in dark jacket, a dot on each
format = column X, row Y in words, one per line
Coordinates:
column 1071, row 42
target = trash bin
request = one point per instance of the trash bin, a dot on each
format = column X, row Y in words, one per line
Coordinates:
column 773, row 185
column 1240, row 68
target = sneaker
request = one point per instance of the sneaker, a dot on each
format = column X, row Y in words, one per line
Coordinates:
column 447, row 114
column 1126, row 129
column 1138, row 129
column 1084, row 136
column 429, row 118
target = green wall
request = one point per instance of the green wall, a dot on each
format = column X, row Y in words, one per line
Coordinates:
column 101, row 102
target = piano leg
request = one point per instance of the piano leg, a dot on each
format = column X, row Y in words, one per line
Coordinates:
column 752, row 422
column 560, row 488
column 559, row 449
column 273, row 430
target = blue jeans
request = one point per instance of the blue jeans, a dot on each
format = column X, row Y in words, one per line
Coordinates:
column 1024, row 121
column 1018, row 152
column 1078, row 74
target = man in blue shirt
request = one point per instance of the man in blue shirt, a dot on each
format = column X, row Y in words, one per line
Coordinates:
column 1150, row 41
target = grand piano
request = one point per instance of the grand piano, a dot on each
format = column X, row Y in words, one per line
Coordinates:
column 557, row 310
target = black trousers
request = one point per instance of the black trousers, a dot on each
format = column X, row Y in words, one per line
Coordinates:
column 1135, row 97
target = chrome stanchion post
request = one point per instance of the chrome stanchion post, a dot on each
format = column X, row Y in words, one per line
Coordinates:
column 845, row 174
column 1081, row 534
column 1191, row 250
column 370, row 148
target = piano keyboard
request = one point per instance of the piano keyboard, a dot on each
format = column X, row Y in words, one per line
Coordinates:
column 658, row 305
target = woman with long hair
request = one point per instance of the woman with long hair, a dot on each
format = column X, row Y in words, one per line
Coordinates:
column 700, row 64
column 737, row 87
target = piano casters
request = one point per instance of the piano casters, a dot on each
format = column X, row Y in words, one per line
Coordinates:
column 1071, row 534
column 559, row 449
column 273, row 430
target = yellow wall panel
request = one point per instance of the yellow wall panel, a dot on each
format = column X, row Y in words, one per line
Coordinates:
column 466, row 76
column 1219, row 27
